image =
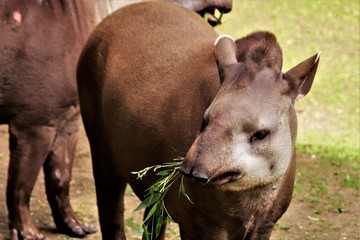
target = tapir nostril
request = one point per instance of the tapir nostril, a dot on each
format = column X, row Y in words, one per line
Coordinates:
column 185, row 170
column 194, row 175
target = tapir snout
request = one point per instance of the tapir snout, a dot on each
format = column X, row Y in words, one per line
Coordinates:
column 242, row 146
column 206, row 160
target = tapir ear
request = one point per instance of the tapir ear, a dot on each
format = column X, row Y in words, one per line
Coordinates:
column 301, row 77
column 225, row 53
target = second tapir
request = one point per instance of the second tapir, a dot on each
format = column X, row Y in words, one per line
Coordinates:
column 153, row 90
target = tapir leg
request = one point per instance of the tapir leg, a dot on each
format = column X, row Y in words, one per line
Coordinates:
column 110, row 190
column 57, row 171
column 29, row 147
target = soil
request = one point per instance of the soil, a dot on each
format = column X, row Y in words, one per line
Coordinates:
column 301, row 221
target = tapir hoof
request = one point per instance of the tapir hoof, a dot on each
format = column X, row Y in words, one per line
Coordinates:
column 76, row 228
column 15, row 235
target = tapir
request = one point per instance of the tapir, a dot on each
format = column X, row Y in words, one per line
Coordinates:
column 39, row 46
column 162, row 84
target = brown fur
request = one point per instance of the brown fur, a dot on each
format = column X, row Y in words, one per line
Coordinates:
column 145, row 87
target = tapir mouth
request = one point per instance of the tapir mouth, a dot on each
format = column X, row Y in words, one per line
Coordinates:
column 226, row 177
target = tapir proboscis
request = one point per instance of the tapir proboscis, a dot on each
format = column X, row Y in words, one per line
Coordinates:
column 152, row 89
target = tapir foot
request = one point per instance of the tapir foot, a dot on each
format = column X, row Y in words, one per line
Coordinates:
column 28, row 235
column 75, row 228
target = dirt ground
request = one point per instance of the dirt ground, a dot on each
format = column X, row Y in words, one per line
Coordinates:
column 300, row 221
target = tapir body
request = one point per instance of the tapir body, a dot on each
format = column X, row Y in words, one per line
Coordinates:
column 162, row 84
column 39, row 47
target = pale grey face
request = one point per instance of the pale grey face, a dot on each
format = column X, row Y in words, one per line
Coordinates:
column 246, row 136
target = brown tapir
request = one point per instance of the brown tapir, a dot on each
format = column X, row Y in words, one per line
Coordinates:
column 40, row 41
column 154, row 90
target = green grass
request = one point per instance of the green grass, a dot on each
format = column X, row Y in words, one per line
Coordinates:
column 281, row 227
column 323, row 186
column 329, row 117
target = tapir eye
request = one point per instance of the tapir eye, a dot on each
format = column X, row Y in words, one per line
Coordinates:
column 259, row 135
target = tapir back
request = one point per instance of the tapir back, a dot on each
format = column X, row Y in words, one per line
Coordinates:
column 149, row 82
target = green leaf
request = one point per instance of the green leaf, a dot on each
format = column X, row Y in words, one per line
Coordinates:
column 182, row 190
column 165, row 172
column 150, row 200
column 155, row 194
column 159, row 224
column 182, row 187
column 218, row 20
column 146, row 234
column 151, row 212
column 168, row 217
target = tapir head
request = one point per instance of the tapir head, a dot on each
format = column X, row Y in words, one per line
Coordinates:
column 247, row 137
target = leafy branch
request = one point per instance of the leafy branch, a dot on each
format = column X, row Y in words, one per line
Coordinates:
column 169, row 173
column 218, row 21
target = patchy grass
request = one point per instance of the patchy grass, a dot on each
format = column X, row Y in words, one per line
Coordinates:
column 323, row 206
